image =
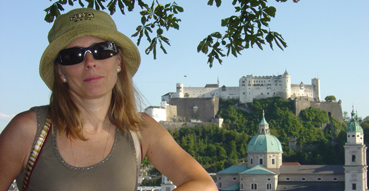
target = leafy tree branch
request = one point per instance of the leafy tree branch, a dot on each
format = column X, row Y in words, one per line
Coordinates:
column 249, row 26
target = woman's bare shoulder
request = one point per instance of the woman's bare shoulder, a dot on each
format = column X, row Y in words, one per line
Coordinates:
column 15, row 145
column 22, row 124
column 20, row 133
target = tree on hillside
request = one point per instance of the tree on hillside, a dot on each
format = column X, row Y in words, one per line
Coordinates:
column 330, row 98
column 247, row 28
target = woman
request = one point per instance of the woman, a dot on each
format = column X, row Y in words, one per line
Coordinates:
column 92, row 118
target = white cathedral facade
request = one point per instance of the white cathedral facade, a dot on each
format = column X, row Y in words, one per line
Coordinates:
column 265, row 170
column 252, row 87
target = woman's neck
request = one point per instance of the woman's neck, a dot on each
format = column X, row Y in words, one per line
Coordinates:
column 94, row 113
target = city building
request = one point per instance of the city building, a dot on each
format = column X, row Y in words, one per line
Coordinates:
column 265, row 169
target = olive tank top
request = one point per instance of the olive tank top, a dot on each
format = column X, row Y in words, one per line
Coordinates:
column 118, row 171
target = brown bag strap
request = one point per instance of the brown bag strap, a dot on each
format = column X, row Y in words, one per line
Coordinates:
column 35, row 152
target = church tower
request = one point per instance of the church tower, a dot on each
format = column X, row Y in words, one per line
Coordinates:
column 355, row 157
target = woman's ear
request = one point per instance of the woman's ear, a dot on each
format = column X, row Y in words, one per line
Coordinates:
column 119, row 62
column 61, row 74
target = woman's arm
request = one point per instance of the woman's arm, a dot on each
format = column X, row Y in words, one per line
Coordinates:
column 171, row 160
column 15, row 146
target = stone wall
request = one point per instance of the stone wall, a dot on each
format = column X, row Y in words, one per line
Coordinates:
column 178, row 125
column 203, row 109
column 333, row 108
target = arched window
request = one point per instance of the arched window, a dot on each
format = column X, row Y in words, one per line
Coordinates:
column 254, row 186
column 353, row 158
column 269, row 186
column 261, row 161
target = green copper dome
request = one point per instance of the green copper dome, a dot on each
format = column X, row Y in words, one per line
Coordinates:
column 354, row 126
column 263, row 121
column 264, row 143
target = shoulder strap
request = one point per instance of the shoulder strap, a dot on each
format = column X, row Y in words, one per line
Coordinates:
column 137, row 146
column 35, row 152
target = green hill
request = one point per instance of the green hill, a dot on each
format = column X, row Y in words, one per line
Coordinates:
column 217, row 148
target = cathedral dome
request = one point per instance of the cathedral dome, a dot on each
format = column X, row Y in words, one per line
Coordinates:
column 354, row 125
column 264, row 143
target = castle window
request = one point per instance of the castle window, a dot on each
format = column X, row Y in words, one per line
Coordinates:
column 273, row 161
column 261, row 161
column 353, row 158
column 254, row 186
column 250, row 161
column 303, row 179
column 353, row 186
column 269, row 186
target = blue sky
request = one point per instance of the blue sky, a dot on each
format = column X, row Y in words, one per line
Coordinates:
column 326, row 40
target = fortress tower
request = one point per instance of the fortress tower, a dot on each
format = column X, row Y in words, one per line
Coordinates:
column 180, row 90
column 316, row 86
column 286, row 85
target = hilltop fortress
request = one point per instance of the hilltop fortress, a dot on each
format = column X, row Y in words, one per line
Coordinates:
column 201, row 104
column 252, row 87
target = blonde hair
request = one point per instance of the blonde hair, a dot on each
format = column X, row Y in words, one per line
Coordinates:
column 122, row 111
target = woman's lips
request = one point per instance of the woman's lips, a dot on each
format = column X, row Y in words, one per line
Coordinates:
column 93, row 79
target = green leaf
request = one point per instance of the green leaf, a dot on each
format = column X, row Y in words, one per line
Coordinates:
column 259, row 45
column 218, row 2
column 210, row 2
column 70, row 2
column 270, row 11
column 159, row 31
column 179, row 8
column 143, row 20
column 121, row 7
column 80, row 3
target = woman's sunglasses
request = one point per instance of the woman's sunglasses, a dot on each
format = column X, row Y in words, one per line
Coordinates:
column 76, row 55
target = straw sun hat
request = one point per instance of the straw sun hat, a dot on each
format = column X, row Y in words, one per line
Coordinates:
column 85, row 22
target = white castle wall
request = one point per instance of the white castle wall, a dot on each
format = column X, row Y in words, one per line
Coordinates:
column 158, row 113
column 252, row 87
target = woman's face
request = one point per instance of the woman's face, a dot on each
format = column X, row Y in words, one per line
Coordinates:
column 91, row 78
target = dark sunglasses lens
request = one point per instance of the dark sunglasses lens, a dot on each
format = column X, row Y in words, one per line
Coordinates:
column 72, row 56
column 99, row 51
column 103, row 50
